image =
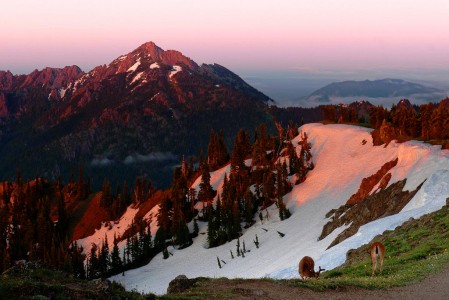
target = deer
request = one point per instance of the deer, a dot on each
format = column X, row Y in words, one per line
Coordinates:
column 377, row 252
column 307, row 268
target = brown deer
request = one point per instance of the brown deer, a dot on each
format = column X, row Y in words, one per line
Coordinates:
column 307, row 268
column 377, row 252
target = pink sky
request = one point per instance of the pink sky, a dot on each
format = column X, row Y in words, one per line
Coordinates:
column 239, row 34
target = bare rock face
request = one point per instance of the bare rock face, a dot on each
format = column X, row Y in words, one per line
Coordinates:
column 384, row 203
column 52, row 78
column 369, row 183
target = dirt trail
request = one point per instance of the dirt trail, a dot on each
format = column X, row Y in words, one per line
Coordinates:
column 434, row 287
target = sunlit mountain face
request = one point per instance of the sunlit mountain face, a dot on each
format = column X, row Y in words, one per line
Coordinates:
column 134, row 116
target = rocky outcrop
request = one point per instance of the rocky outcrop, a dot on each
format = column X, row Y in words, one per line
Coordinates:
column 180, row 284
column 370, row 182
column 52, row 78
column 384, row 203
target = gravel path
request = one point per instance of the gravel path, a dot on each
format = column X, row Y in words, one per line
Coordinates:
column 434, row 287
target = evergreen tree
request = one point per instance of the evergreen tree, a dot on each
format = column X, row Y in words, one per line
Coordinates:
column 116, row 263
column 165, row 253
column 196, row 229
column 426, row 111
column 93, row 265
column 103, row 258
column 180, row 230
column 241, row 149
column 238, row 247
column 249, row 207
column 223, row 155
column 206, row 193
column 164, row 219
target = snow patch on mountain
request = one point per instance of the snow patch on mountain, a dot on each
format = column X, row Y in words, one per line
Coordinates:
column 154, row 66
column 109, row 229
column 176, row 69
column 341, row 161
column 137, row 77
column 134, row 67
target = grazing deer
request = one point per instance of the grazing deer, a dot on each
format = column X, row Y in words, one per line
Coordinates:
column 307, row 268
column 377, row 252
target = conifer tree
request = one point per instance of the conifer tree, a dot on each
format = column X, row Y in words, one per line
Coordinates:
column 238, row 247
column 164, row 222
column 77, row 259
column 165, row 253
column 212, row 150
column 180, row 230
column 249, row 207
column 241, row 149
column 223, row 155
column 206, row 193
column 196, row 229
column 116, row 262
column 93, row 265
column 103, row 258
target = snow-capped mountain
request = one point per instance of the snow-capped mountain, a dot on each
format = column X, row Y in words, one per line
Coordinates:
column 149, row 101
column 343, row 156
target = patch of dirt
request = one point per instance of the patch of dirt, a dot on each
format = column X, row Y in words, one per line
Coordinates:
column 434, row 287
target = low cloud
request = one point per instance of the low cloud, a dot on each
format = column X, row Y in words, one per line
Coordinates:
column 154, row 156
column 101, row 162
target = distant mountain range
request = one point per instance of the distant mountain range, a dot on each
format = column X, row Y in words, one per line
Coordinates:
column 145, row 108
column 367, row 89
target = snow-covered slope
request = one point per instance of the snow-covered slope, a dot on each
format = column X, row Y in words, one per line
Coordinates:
column 341, row 161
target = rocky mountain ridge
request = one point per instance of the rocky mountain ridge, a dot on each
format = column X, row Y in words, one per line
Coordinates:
column 132, row 107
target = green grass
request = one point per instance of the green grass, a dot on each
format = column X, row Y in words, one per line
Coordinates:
column 413, row 251
column 59, row 285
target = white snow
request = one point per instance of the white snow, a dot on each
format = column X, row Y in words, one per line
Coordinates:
column 341, row 162
column 137, row 77
column 120, row 58
column 135, row 66
column 62, row 92
column 176, row 69
column 108, row 229
column 154, row 66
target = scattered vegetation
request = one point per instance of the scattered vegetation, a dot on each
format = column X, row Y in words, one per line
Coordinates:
column 413, row 251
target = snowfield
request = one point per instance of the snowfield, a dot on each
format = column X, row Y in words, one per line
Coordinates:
column 341, row 162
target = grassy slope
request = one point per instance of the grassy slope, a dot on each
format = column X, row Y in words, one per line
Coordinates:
column 57, row 285
column 414, row 250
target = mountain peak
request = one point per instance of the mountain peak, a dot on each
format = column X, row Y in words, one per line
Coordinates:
column 168, row 57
